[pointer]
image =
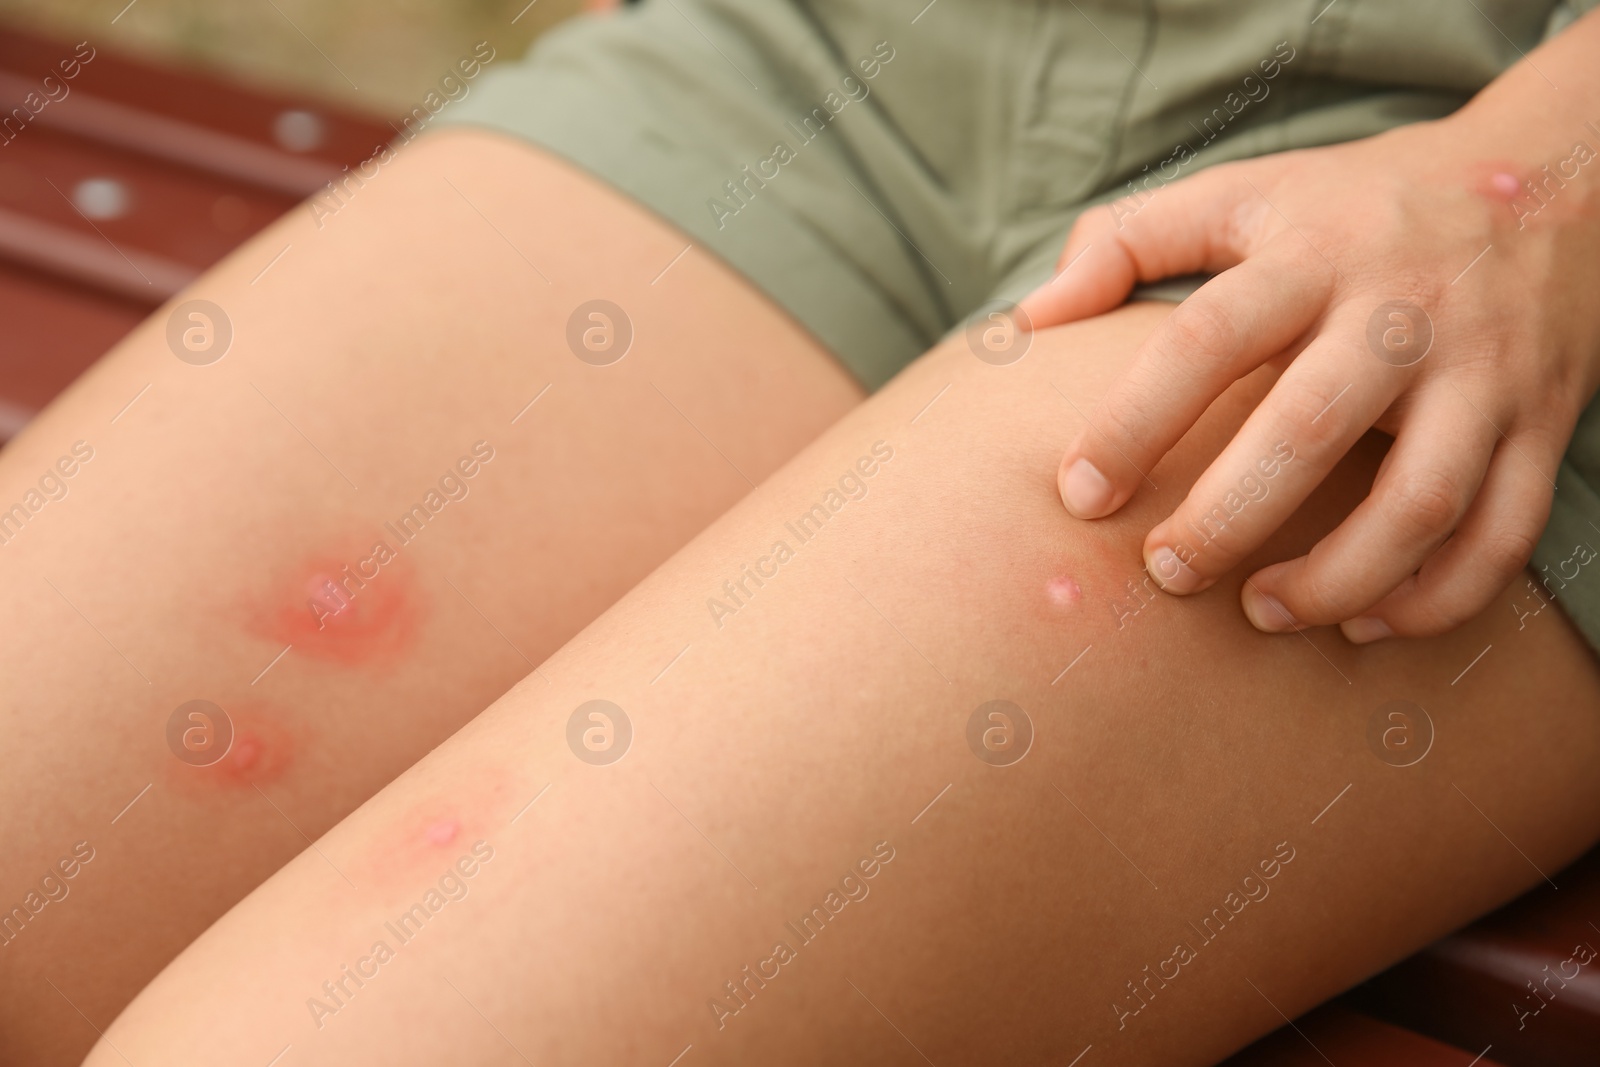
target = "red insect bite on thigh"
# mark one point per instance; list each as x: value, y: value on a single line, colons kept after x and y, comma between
x: 1063, y: 592
x: 254, y: 758
x: 260, y: 751
x: 356, y: 612
x: 432, y: 833
x: 1088, y: 590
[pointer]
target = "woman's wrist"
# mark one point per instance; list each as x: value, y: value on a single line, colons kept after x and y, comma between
x: 1545, y: 106
x: 1529, y: 143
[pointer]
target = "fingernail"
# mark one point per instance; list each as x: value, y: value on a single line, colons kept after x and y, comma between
x: 1085, y: 490
x: 1267, y: 613
x: 1171, y: 573
x: 1365, y: 630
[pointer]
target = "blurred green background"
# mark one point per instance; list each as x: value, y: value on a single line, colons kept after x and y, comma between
x: 378, y: 56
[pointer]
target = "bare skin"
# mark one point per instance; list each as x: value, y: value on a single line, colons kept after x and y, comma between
x: 190, y: 549
x: 1186, y: 770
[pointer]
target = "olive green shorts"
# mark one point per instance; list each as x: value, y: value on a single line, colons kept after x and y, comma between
x: 882, y: 168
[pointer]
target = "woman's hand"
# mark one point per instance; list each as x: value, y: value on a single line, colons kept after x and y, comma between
x: 1412, y: 282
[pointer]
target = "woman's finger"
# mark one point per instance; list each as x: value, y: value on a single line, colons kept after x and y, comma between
x: 1234, y: 323
x: 1188, y: 227
x: 1492, y: 544
x: 1326, y: 399
x: 1432, y: 474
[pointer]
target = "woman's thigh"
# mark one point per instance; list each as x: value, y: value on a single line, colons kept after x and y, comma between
x: 914, y: 768
x: 415, y: 471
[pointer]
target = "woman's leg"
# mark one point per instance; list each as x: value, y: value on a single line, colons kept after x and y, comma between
x: 379, y: 386
x: 819, y: 844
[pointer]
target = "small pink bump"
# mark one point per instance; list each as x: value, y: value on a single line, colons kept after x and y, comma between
x: 1505, y: 185
x: 325, y: 591
x: 1063, y: 592
x: 443, y: 832
x: 245, y: 754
